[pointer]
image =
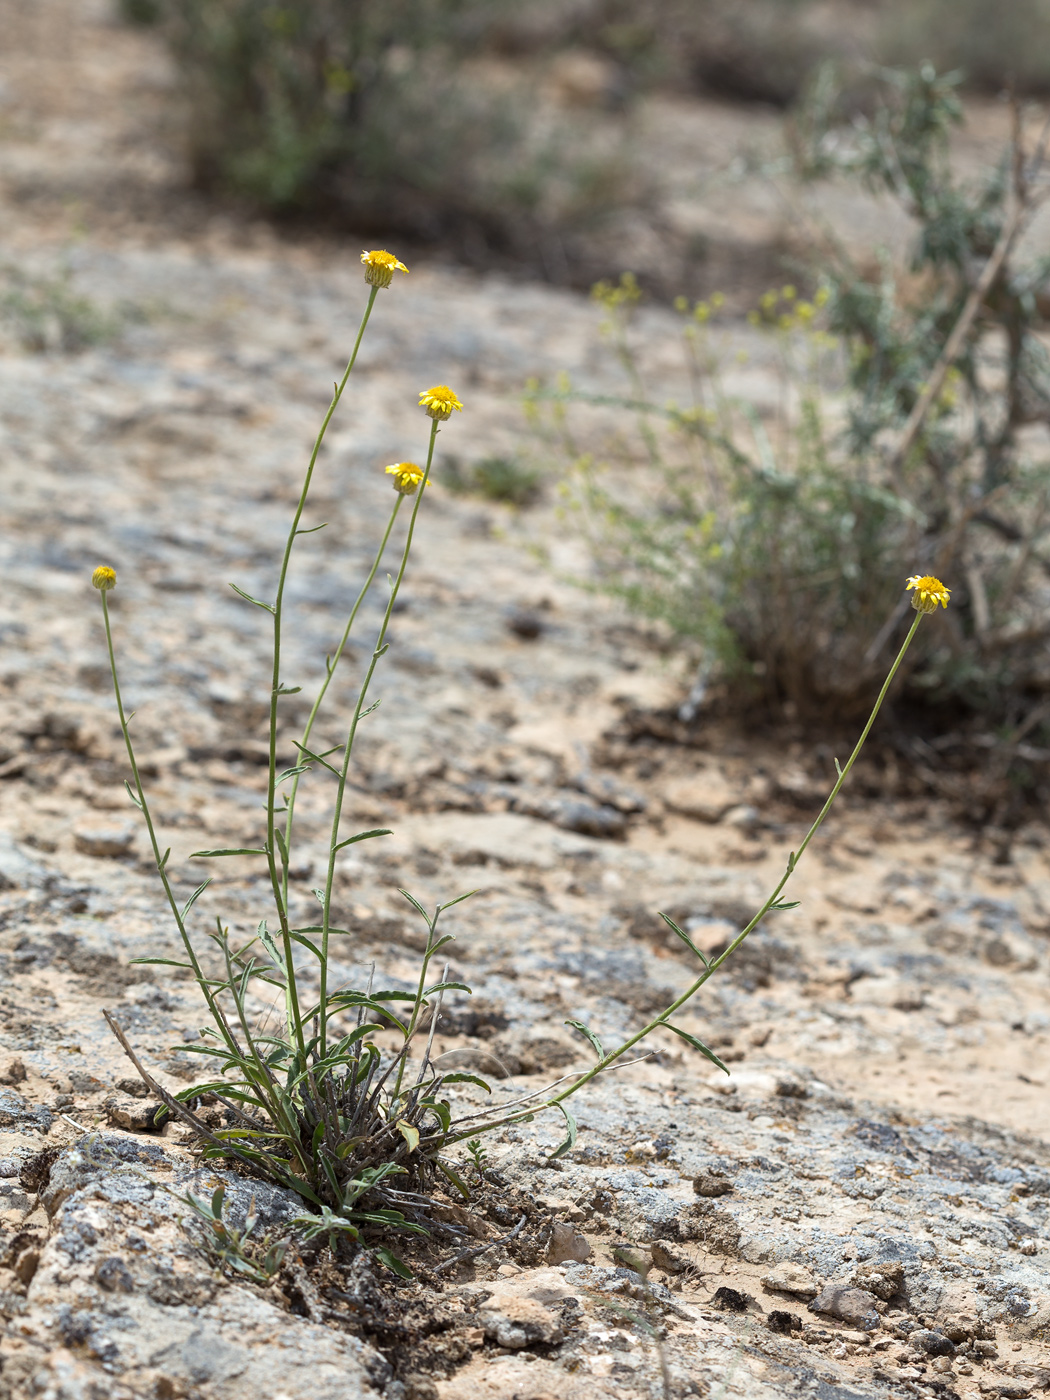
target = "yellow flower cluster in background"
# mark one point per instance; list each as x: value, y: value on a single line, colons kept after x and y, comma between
x: 785, y: 310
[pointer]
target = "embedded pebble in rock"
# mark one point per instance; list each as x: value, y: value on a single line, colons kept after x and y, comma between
x: 515, y: 1322
x: 103, y: 840
x: 789, y: 1277
x: 708, y: 1185
x: 670, y: 1257
x: 852, y: 1305
x: 567, y: 1244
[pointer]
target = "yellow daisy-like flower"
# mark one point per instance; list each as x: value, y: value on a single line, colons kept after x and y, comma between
x: 407, y: 477
x: 104, y: 578
x: 380, y: 267
x: 929, y: 591
x: 439, y: 402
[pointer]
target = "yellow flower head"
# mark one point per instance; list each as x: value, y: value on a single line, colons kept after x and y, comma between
x: 407, y: 477
x: 439, y: 402
x: 380, y: 267
x: 104, y: 578
x: 928, y: 593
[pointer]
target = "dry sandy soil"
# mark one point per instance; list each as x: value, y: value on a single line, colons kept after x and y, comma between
x: 885, y: 1126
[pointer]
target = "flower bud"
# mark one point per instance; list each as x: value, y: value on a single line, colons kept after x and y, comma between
x: 380, y: 267
x: 407, y: 477
x: 104, y: 578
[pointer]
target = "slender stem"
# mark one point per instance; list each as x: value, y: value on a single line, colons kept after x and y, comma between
x: 331, y: 663
x: 793, y: 860
x: 294, y: 1018
x: 162, y: 860
x: 380, y: 648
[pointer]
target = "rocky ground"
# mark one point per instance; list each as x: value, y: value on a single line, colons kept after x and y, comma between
x: 860, y: 1210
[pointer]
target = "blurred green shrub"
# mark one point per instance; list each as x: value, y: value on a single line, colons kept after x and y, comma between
x: 505, y: 479
x: 371, y: 109
x: 994, y: 46
x: 46, y: 314
x: 781, y: 543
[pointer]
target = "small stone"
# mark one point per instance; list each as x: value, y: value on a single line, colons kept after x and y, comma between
x: 26, y: 1265
x: 783, y: 1322
x: 669, y: 1257
x: 731, y: 1300
x: 14, y: 1073
x: 114, y: 1276
x: 706, y: 797
x: 12, y: 1107
x: 103, y: 841
x: 707, y: 1184
x: 1028, y: 1246
x: 567, y: 1245
x: 884, y: 1279
x: 788, y: 1277
x: 134, y: 1115
x: 932, y: 1343
x: 853, y: 1305
x: 515, y: 1323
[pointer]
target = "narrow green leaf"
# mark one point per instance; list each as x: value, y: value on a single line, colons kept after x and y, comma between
x: 193, y: 898
x: 317, y: 758
x: 462, y: 1077
x: 838, y: 768
x: 164, y: 859
x: 371, y: 709
x: 599, y: 1049
x: 363, y: 836
x: 160, y: 962
x: 685, y: 938
x: 313, y: 529
x: 267, y: 607
x: 785, y: 904
x: 133, y: 795
x: 233, y: 851
x: 393, y: 1263
x: 305, y: 942
x: 417, y: 907
x: 697, y: 1045
x: 393, y: 996
x: 458, y: 900
x: 288, y: 689
x: 572, y: 1133
x: 293, y: 772
x: 448, y: 987
x: 440, y: 1110
x: 448, y: 1171
x: 268, y: 941
x: 282, y: 848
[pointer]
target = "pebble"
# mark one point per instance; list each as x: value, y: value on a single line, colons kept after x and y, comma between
x: 791, y: 1278
x: 853, y: 1305
x: 103, y: 841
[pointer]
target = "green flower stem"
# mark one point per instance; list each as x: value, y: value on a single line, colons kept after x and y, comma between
x: 162, y: 860
x: 380, y: 648
x: 793, y: 860
x: 331, y: 663
x: 293, y: 1014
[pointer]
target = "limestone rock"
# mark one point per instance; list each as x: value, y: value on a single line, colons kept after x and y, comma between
x: 114, y: 1304
x: 567, y: 1244
x: 788, y: 1277
x: 103, y: 841
x: 885, y: 1279
x: 706, y: 797
x: 514, y: 1322
x: 670, y: 1257
x: 854, y: 1306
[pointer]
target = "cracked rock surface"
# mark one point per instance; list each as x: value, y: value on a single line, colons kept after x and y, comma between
x: 859, y: 1210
